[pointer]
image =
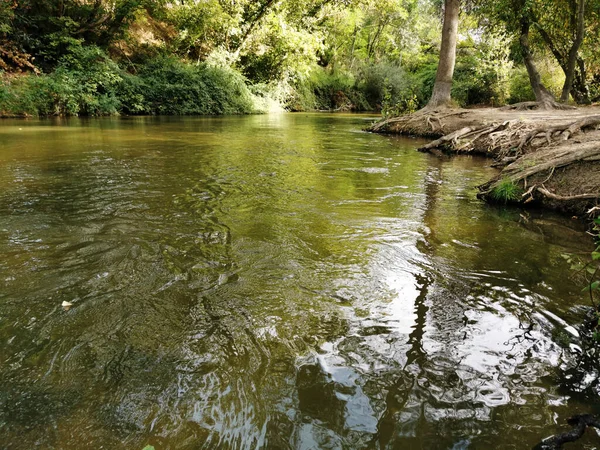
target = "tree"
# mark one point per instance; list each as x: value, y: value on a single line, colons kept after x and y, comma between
x: 517, y: 17
x: 50, y: 29
x: 565, y: 42
x: 543, y: 97
x: 441, y: 95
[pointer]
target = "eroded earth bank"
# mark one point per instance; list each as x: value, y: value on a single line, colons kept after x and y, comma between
x: 548, y: 157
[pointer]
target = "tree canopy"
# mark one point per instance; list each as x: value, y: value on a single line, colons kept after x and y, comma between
x: 310, y: 54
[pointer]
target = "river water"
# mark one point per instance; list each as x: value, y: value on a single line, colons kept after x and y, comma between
x: 281, y: 282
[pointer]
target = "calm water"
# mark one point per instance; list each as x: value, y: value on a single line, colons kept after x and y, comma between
x: 280, y: 282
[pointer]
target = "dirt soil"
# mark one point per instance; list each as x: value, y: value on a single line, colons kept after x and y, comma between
x: 552, y: 157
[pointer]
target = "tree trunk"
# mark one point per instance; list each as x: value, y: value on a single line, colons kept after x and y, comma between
x: 572, y: 59
x: 544, y: 98
x: 445, y: 71
x: 580, y: 90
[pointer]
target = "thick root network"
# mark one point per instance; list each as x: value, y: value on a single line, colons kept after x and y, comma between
x: 427, y: 122
x: 458, y: 131
x: 532, y: 149
x: 546, y: 105
x: 508, y: 140
x: 561, y: 132
x: 533, y: 174
x: 497, y: 139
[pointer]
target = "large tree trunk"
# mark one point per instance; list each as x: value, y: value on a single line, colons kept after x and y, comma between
x: 445, y: 71
x: 580, y: 90
x: 572, y: 59
x: 543, y: 97
x: 570, y: 62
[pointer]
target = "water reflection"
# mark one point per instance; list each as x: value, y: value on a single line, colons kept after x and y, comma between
x: 269, y: 282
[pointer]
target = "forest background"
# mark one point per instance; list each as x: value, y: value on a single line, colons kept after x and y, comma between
x: 105, y: 57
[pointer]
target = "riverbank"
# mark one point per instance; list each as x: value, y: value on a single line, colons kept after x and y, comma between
x: 548, y: 158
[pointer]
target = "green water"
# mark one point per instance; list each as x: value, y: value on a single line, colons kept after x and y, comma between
x: 280, y: 282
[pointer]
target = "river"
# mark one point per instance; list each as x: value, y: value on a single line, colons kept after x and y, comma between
x: 280, y: 282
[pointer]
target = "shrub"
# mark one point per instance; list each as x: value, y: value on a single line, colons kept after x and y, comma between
x: 83, y: 83
x: 174, y: 87
x: 87, y: 82
x: 388, y: 87
x: 520, y: 87
x: 325, y: 89
x: 131, y: 92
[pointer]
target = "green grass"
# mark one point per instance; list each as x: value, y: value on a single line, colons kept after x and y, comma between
x: 506, y: 191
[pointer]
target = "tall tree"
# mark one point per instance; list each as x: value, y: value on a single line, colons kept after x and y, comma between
x: 441, y: 95
x: 543, y: 96
x: 565, y: 42
x: 518, y: 18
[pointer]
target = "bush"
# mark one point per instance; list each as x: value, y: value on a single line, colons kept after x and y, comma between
x: 174, y: 87
x: 83, y: 83
x: 325, y: 89
x: 520, y: 87
x: 381, y: 86
x: 87, y: 82
x: 424, y: 78
x: 131, y: 92
x: 388, y: 87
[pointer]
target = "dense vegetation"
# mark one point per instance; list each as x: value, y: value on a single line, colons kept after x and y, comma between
x: 95, y: 57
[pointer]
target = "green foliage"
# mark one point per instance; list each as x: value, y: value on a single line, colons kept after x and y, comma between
x: 87, y: 82
x: 202, y: 26
x: 506, y: 191
x: 170, y: 86
x: 304, y: 54
x: 520, y: 87
x: 332, y: 90
x: 388, y: 86
x: 589, y: 273
x: 482, y: 72
x: 132, y: 94
x: 372, y: 87
x: 83, y: 83
x: 49, y: 29
x: 327, y: 90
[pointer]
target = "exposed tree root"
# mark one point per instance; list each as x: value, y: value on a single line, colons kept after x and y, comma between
x: 533, y: 171
x: 567, y: 198
x: 560, y: 132
x: 528, y: 147
x: 428, y: 122
x: 579, y: 424
x: 547, y: 105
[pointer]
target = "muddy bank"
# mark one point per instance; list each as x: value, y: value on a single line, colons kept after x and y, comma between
x: 548, y: 158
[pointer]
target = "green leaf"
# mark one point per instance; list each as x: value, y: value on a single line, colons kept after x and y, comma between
x: 593, y: 287
x: 591, y: 270
x: 148, y: 447
x: 596, y: 256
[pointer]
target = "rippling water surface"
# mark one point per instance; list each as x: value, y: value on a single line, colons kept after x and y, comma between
x: 279, y: 282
